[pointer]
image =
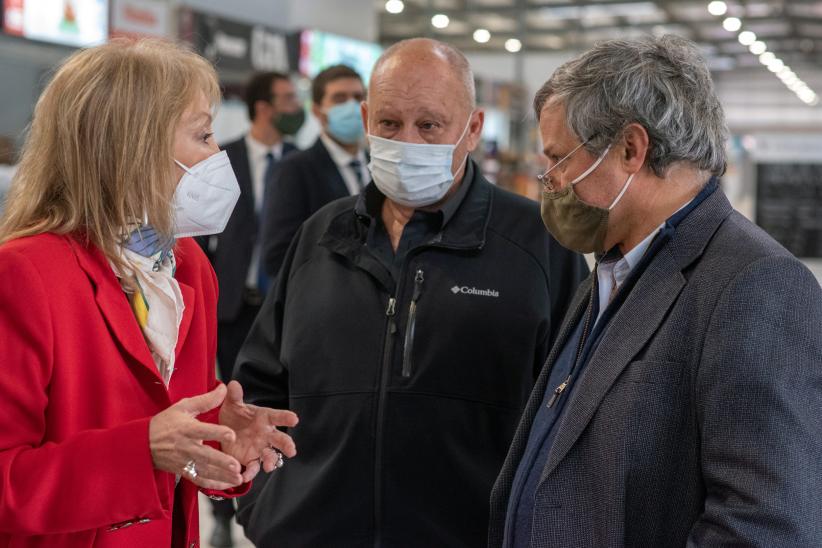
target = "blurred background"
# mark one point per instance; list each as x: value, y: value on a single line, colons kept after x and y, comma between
x: 766, y: 57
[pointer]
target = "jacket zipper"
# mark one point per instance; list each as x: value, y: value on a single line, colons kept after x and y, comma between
x: 564, y: 384
x: 407, y: 363
x: 385, y: 373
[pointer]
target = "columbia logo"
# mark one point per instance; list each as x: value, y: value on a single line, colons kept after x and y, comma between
x: 465, y: 290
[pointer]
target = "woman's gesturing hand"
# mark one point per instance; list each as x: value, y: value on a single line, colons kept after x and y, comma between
x: 176, y: 441
x: 257, y: 437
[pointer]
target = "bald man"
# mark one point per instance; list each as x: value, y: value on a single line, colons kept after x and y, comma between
x: 406, y: 329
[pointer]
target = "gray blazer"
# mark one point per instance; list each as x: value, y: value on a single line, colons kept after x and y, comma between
x: 698, y: 420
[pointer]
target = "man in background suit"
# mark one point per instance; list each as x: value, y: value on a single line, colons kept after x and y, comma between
x: 334, y: 167
x: 274, y: 112
x: 680, y: 403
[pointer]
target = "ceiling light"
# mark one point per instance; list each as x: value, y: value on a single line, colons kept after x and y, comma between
x: 758, y: 47
x: 394, y: 6
x: 767, y: 58
x: 440, y: 21
x: 746, y: 38
x: 482, y: 35
x: 513, y: 45
x: 776, y: 65
x: 717, y: 8
x: 732, y: 24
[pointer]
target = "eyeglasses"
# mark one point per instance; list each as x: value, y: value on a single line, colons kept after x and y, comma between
x: 544, y: 177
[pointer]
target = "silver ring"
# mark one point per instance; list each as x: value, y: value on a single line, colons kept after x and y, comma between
x: 280, y: 460
x: 191, y: 469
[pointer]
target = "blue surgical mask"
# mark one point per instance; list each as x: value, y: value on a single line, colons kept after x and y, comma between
x: 413, y: 174
x: 345, y: 122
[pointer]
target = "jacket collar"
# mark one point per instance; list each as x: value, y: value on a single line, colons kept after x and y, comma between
x: 465, y: 230
x: 114, y: 306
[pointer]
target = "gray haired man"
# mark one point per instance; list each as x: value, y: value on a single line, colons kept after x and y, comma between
x: 680, y: 405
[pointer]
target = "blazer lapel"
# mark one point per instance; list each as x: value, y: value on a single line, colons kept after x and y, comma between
x: 650, y: 299
x: 113, y: 304
x: 238, y: 155
x: 327, y: 170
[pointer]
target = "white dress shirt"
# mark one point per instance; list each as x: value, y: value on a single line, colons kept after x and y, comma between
x: 258, y: 162
x: 343, y: 160
x: 611, y: 272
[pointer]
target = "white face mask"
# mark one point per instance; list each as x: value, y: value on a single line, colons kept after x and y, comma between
x: 413, y: 174
x: 205, y: 197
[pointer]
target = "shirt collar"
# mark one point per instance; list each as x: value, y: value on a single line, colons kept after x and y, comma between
x: 633, y: 257
x: 260, y: 150
x: 338, y: 154
x: 453, y: 203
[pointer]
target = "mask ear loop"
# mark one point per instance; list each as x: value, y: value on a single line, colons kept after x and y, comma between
x: 467, y: 154
x: 187, y: 170
x: 465, y: 130
x: 593, y: 166
x: 622, y: 192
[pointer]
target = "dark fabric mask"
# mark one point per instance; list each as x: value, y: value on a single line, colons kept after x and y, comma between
x: 289, y: 123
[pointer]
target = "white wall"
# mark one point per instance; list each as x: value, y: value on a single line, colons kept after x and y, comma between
x: 756, y: 100
x: 536, y: 67
x: 352, y: 18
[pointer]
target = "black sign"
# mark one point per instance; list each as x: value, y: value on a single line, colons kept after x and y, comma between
x: 236, y: 46
x: 789, y: 205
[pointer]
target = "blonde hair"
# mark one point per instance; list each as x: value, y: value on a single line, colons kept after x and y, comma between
x: 99, y: 154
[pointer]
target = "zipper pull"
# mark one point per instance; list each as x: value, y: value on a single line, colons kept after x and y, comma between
x: 418, y: 279
x: 558, y: 391
x: 392, y: 307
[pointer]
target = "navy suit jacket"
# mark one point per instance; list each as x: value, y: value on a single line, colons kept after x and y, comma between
x: 230, y: 251
x: 305, y: 182
x: 697, y: 420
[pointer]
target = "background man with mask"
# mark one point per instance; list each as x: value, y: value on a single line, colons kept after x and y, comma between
x: 334, y: 167
x: 408, y: 323
x: 680, y: 405
x: 274, y: 112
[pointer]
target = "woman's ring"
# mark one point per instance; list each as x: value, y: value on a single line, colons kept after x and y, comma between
x: 191, y: 469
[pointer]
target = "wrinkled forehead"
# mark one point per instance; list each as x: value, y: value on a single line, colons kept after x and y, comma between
x: 428, y: 80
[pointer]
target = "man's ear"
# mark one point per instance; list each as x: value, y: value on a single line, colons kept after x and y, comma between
x: 635, y: 147
x: 475, y: 126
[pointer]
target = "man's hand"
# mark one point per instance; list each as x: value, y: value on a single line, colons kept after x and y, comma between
x: 257, y: 438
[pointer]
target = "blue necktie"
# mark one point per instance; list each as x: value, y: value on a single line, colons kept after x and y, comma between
x: 263, y: 281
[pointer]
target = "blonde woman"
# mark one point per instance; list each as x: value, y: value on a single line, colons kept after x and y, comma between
x: 111, y: 418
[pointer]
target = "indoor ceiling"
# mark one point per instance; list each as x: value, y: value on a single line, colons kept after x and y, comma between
x: 789, y: 29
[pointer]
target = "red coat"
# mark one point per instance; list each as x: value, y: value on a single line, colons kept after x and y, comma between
x: 78, y: 387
